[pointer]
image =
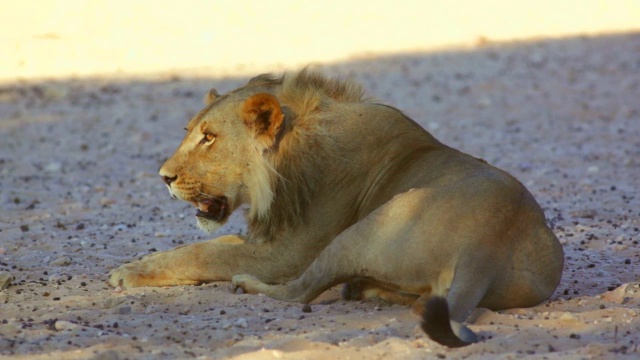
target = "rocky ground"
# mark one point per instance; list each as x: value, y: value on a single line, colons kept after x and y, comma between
x: 80, y: 195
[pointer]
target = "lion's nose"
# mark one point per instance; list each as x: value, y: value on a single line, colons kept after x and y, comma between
x: 168, y: 180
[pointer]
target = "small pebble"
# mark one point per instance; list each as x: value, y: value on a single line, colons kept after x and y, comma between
x: 306, y: 308
x: 53, y: 167
x: 107, y: 201
x: 241, y: 323
x: 622, y: 247
x: 63, y: 261
x: 61, y: 325
x: 567, y: 316
x: 5, y: 281
x: 120, y: 227
x: 56, y: 278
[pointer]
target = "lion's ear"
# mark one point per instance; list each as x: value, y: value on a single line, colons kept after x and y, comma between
x: 211, y: 96
x: 263, y: 115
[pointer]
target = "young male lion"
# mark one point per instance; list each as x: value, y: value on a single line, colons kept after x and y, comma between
x: 344, y: 190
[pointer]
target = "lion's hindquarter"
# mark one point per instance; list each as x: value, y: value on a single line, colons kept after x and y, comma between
x: 535, y: 263
x: 482, y: 231
x: 508, y: 239
x: 438, y: 215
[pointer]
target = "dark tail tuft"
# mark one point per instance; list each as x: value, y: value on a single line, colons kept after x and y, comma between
x: 436, y: 323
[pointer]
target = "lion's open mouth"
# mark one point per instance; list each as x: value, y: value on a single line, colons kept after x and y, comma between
x: 212, y: 208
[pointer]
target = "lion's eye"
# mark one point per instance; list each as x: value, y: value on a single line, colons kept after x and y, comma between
x: 208, y: 137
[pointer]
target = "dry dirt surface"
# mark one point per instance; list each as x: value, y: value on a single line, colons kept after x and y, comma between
x: 80, y: 195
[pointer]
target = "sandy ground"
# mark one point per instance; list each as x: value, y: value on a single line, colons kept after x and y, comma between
x: 80, y: 195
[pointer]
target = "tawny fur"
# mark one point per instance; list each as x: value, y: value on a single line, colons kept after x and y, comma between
x: 344, y: 190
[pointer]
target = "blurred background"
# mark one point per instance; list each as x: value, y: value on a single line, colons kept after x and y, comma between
x: 76, y: 38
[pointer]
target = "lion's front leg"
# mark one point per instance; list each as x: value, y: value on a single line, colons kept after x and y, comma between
x: 213, y: 260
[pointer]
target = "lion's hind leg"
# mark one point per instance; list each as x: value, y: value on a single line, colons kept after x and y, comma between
x: 326, y: 271
x: 366, y: 250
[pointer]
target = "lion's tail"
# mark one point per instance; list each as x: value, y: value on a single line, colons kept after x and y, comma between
x: 437, y: 324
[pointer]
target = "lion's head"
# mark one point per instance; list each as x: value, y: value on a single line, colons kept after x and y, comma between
x: 220, y: 161
x: 262, y: 144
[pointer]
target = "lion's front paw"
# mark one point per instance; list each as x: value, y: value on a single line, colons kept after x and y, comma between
x: 248, y: 283
x: 144, y: 273
x: 129, y: 275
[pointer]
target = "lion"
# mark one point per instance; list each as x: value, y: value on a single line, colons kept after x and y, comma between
x: 344, y: 190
